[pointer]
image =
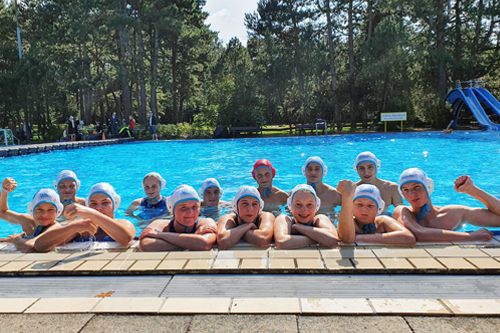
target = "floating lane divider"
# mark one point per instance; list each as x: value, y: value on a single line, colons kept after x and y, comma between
x: 48, y: 147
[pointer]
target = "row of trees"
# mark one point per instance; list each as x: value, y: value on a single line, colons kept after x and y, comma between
x: 345, y: 61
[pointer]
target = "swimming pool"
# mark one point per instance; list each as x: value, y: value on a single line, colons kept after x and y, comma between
x: 443, y: 157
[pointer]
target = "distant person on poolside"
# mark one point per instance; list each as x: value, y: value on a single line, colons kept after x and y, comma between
x: 263, y: 172
x: 114, y: 122
x: 154, y: 204
x: 367, y: 166
x: 304, y: 228
x: 152, y: 126
x: 72, y: 128
x: 131, y: 125
x: 98, y: 131
x: 314, y: 170
x: 211, y: 193
x: 431, y: 223
x: 98, y: 220
x: 66, y: 185
x: 360, y: 219
x: 186, y: 230
x: 43, y: 210
x: 248, y: 222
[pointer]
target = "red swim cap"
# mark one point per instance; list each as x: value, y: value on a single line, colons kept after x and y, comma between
x: 263, y: 164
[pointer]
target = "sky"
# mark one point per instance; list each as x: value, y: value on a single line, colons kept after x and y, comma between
x: 228, y: 17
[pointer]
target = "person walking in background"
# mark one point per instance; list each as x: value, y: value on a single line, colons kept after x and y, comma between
x: 114, y: 125
x: 131, y: 125
x: 152, y: 126
x: 72, y: 128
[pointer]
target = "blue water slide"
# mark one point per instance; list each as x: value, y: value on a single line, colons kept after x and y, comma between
x: 457, y: 97
x: 487, y: 99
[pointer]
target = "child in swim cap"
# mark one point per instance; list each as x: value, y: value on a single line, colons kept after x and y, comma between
x: 210, y: 193
x: 433, y: 223
x: 360, y: 219
x: 98, y: 219
x: 264, y: 173
x: 154, y: 205
x: 315, y: 169
x: 66, y: 185
x: 186, y: 230
x: 248, y: 222
x: 367, y: 166
x: 304, y: 228
x: 43, y: 209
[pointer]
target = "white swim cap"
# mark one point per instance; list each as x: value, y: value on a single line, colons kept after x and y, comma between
x: 66, y: 174
x: 46, y: 196
x: 367, y: 157
x: 208, y: 183
x: 415, y: 175
x: 315, y: 159
x: 163, y: 182
x: 370, y: 192
x: 247, y: 191
x: 307, y: 188
x: 180, y: 194
x: 106, y: 189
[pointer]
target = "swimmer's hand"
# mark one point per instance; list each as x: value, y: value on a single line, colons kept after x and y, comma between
x: 74, y: 210
x: 463, y: 184
x: 207, y: 229
x: 346, y: 187
x: 481, y: 235
x: 12, y: 238
x: 9, y: 185
x: 85, y: 227
x: 149, y: 232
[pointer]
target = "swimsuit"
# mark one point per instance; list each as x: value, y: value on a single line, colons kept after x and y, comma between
x: 39, y: 229
x: 256, y: 222
x: 268, y: 191
x: 369, y: 228
x: 172, y: 226
x: 309, y: 224
x: 150, y: 210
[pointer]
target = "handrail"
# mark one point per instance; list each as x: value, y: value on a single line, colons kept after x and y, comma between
x: 12, y: 136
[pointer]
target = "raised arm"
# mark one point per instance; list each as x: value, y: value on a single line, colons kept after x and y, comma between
x: 464, y: 184
x: 122, y: 231
x: 389, y: 231
x: 323, y: 233
x: 423, y: 234
x: 346, y: 227
x: 263, y: 236
x: 228, y: 234
x: 57, y: 234
x: 283, y: 235
x: 25, y: 220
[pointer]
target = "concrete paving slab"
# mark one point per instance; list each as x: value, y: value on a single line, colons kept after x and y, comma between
x: 15, y: 305
x: 129, y: 305
x: 63, y: 305
x: 265, y: 305
x: 213, y: 305
x: 453, y: 325
x: 409, y: 306
x: 43, y: 323
x: 473, y: 307
x: 352, y: 324
x: 243, y: 323
x: 137, y: 323
x: 335, y: 306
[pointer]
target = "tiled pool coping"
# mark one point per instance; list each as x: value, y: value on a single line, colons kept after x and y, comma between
x: 442, y: 259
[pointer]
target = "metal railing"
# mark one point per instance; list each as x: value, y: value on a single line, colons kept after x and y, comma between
x: 8, y: 136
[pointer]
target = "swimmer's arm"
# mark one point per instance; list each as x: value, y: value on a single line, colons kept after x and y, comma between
x: 57, y: 234
x: 346, y: 227
x: 25, y: 220
x: 195, y: 241
x: 229, y: 237
x: 324, y: 234
x: 392, y: 233
x: 397, y: 200
x: 480, y: 217
x: 133, y: 207
x: 423, y: 234
x: 264, y: 235
x: 283, y: 237
x: 491, y: 202
x: 149, y: 240
x: 21, y: 244
x: 122, y: 231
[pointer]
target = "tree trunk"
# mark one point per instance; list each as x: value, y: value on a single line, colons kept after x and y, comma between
x: 352, y: 110
x: 87, y: 92
x: 457, y: 52
x: 332, y: 67
x: 440, y: 41
x: 175, y: 102
x: 127, y: 105
x: 154, y: 73
x: 142, y: 83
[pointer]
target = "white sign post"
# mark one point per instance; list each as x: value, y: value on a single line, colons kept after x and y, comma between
x: 393, y: 116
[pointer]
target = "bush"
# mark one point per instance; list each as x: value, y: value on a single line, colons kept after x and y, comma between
x: 54, y: 133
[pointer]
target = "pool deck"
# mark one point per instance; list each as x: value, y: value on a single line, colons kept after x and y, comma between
x: 9, y: 151
x: 354, y: 279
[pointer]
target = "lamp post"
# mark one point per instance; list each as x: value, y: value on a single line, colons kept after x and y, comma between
x: 18, y: 34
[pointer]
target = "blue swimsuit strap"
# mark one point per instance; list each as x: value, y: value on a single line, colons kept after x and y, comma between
x: 39, y: 229
x: 313, y: 185
x: 70, y: 202
x: 369, y: 228
x: 186, y: 228
x: 268, y: 191
x: 149, y: 205
x: 422, y: 213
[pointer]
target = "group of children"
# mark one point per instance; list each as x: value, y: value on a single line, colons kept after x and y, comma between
x: 363, y: 215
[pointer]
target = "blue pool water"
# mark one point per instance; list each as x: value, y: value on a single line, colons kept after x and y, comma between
x: 443, y: 157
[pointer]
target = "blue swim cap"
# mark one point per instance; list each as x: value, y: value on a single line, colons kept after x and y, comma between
x: 370, y: 192
x: 46, y: 196
x: 306, y: 188
x: 247, y: 191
